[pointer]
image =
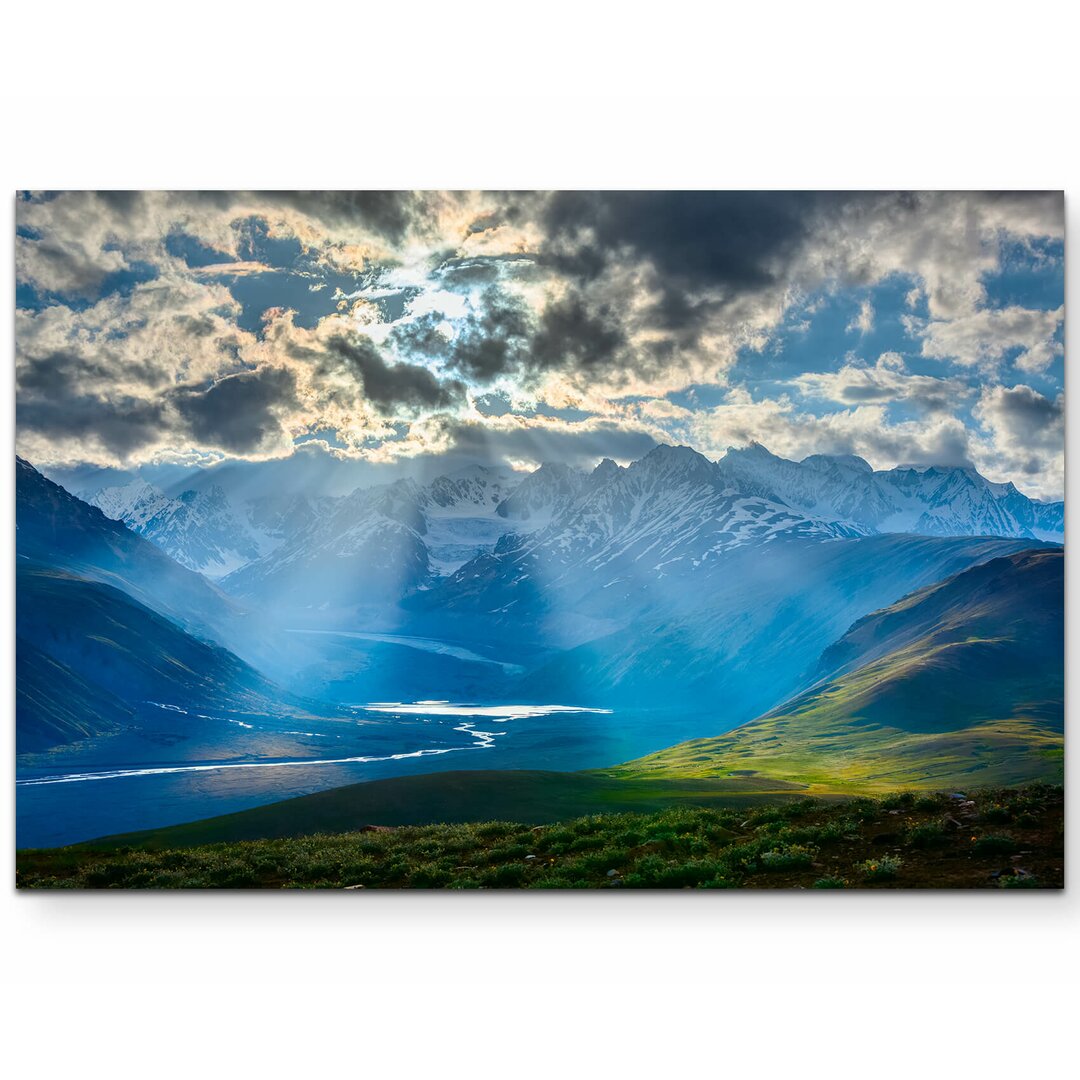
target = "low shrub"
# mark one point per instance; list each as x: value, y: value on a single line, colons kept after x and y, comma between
x: 931, y: 834
x: 993, y: 845
x: 830, y: 883
x: 882, y: 868
x: 791, y: 857
x: 900, y: 800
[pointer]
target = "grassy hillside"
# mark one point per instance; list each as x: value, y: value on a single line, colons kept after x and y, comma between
x: 54, y: 706
x: 749, y: 636
x: 87, y: 652
x: 531, y: 797
x: 964, y: 684
x: 996, y: 839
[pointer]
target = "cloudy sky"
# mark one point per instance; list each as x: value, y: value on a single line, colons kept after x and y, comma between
x: 394, y: 331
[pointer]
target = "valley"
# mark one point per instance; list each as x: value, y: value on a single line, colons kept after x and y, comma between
x: 629, y: 615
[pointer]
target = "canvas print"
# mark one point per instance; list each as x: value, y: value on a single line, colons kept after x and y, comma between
x: 577, y: 539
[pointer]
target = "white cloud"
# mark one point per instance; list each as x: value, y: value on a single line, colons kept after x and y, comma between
x: 133, y: 357
x: 1025, y: 439
x: 863, y: 322
x: 983, y: 338
x: 864, y: 430
x: 884, y: 382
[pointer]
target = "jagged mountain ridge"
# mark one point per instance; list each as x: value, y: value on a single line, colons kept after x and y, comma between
x: 468, y: 511
x: 203, y: 529
x: 930, y: 501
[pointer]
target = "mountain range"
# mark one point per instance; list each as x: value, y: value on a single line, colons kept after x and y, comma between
x: 395, y: 539
x: 670, y: 584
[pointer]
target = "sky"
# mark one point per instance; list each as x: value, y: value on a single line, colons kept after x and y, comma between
x: 392, y: 333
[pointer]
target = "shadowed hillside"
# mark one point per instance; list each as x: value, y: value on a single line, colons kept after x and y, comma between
x: 960, y: 682
x: 88, y: 652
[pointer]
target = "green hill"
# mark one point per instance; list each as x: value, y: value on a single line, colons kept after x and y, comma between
x: 88, y: 653
x: 54, y: 706
x: 959, y: 683
x: 529, y: 796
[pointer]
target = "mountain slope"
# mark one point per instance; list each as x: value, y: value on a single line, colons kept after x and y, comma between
x: 752, y: 635
x: 959, y: 683
x: 367, y: 551
x: 55, y: 706
x: 203, y: 529
x: 54, y: 528
x: 633, y: 538
x: 385, y: 543
x: 91, y: 654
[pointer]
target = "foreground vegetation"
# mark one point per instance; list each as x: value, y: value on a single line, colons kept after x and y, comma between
x: 1002, y: 838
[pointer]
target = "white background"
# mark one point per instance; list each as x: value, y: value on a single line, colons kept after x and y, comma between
x: 776, y: 95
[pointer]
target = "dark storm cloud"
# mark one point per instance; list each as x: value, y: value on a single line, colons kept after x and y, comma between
x: 239, y: 413
x: 389, y: 385
x: 496, y: 340
x: 388, y: 213
x: 702, y: 252
x: 580, y: 445
x: 570, y: 336
x: 121, y: 426
x: 735, y: 240
x: 1026, y: 425
x: 421, y: 337
x: 1028, y: 412
x: 503, y: 337
x: 65, y: 372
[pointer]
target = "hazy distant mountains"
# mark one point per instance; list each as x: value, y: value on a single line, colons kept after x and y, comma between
x: 672, y: 583
x: 931, y: 501
x: 385, y: 542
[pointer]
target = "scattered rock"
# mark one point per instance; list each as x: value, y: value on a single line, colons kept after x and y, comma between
x: 376, y: 828
x: 528, y: 857
x: 613, y: 874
